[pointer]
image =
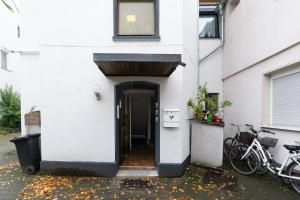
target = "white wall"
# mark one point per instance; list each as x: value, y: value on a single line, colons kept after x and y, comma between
x: 211, y: 69
x: 190, y: 71
x: 60, y: 81
x: 89, y: 23
x: 261, y: 38
x: 30, y: 85
x: 72, y: 115
x: 257, y: 29
x: 9, y: 41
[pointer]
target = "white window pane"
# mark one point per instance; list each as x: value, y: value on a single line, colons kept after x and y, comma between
x: 208, y: 26
x: 136, y: 18
x: 286, y: 100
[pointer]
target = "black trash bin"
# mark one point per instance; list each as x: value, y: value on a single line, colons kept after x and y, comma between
x: 28, y: 150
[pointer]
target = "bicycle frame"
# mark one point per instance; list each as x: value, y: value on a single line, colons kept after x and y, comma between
x: 277, y: 170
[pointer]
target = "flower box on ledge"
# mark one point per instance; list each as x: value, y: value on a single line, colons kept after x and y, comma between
x: 33, y: 118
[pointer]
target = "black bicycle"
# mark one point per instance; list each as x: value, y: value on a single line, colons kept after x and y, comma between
x: 233, y: 141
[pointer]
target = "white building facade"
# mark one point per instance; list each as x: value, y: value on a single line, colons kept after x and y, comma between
x: 257, y: 68
x: 88, y: 64
x: 73, y: 76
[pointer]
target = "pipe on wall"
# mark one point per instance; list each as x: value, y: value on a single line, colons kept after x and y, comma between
x: 219, y: 9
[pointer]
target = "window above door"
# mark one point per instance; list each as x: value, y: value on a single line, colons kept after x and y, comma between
x: 136, y: 20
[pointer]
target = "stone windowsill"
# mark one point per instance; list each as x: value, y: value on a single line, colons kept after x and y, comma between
x: 295, y: 129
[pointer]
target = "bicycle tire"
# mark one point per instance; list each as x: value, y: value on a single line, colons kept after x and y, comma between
x: 262, y: 170
x: 293, y: 169
x: 228, y: 144
x: 246, y: 166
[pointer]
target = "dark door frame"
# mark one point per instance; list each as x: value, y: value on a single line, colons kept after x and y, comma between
x: 137, y: 85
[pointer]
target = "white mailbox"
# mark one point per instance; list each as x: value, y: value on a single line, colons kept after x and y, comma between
x: 171, y: 118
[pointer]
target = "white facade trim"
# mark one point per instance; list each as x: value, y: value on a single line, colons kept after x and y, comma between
x: 23, y: 53
x: 281, y: 128
x: 261, y: 60
x: 285, y: 72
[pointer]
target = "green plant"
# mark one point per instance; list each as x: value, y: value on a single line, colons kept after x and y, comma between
x: 195, y: 106
x: 7, y: 5
x: 213, y: 106
x: 198, y: 104
x: 10, y: 108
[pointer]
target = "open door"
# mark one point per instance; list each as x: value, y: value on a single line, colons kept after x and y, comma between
x: 137, y: 124
x: 120, y: 122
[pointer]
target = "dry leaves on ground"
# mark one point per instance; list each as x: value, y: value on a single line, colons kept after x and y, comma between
x: 45, y: 186
x: 8, y: 166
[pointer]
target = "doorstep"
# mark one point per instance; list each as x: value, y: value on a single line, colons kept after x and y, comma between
x: 137, y: 173
x: 137, y: 167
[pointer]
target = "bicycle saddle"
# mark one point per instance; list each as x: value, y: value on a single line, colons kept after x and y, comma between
x: 292, y: 148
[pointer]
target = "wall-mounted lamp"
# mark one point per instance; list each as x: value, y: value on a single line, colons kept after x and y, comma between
x: 97, y: 93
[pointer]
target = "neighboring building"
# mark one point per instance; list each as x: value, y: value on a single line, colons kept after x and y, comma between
x: 8, y: 43
x: 92, y: 62
x: 259, y: 67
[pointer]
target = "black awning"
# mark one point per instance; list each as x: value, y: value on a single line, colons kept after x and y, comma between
x: 113, y: 64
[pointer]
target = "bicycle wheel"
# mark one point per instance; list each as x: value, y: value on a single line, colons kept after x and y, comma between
x: 247, y: 165
x: 262, y: 170
x: 294, y: 170
x: 228, y: 144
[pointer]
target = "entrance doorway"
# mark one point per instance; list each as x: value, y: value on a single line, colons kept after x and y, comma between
x: 137, y: 125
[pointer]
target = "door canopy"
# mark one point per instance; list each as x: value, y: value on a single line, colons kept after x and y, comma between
x: 162, y: 65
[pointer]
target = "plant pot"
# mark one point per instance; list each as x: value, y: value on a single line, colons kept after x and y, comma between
x: 218, y: 119
x: 33, y: 118
x: 201, y: 115
x: 209, y: 118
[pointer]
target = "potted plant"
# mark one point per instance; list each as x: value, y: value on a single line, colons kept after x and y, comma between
x: 198, y: 104
x: 215, y: 109
x: 198, y: 109
x: 33, y: 117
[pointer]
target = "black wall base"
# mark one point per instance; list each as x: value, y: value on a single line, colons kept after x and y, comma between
x: 80, y: 168
x: 173, y: 169
x: 106, y: 169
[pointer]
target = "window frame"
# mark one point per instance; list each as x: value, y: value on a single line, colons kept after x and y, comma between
x: 4, y: 51
x: 117, y: 37
x: 207, y: 12
x: 275, y: 76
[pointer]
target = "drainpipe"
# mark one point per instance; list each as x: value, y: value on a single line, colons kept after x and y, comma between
x: 220, y: 9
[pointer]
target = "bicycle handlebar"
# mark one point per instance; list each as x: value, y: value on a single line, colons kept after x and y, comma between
x: 255, y: 132
x: 267, y: 131
x: 237, y: 125
x: 251, y: 127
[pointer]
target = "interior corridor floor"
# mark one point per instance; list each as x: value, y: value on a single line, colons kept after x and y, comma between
x: 140, y: 157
